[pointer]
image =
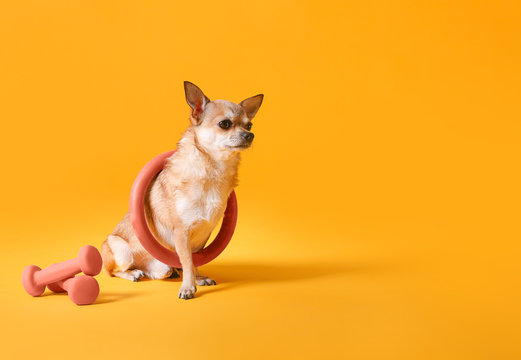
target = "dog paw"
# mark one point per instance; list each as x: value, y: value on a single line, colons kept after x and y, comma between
x: 174, y: 274
x: 205, y: 281
x: 187, y: 291
x: 136, y: 275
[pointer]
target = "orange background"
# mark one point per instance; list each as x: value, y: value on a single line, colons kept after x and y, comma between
x: 378, y: 210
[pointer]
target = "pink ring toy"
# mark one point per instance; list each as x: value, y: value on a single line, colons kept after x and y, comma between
x: 149, y: 242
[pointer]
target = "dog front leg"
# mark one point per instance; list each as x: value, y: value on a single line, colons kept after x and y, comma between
x: 184, y: 252
x: 202, y: 280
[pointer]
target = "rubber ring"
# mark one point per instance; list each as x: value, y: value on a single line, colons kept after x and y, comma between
x: 149, y: 242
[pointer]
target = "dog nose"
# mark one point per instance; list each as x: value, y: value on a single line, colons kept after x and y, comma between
x: 248, y: 136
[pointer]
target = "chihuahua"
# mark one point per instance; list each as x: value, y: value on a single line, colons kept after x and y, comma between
x: 186, y: 200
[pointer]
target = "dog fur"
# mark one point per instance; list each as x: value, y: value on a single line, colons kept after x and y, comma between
x: 186, y: 200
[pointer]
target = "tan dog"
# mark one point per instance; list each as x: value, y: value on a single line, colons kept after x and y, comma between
x: 187, y: 199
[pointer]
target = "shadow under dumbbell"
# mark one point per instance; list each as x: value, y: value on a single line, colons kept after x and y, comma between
x: 108, y: 297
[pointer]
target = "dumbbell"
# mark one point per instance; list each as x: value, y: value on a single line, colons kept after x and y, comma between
x: 35, y: 279
x: 82, y: 289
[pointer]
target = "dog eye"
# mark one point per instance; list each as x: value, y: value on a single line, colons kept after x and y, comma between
x: 248, y: 126
x: 225, y: 124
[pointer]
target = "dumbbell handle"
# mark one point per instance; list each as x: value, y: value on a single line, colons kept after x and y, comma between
x: 64, y: 284
x: 57, y: 272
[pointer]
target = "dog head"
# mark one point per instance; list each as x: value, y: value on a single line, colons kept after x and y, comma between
x: 221, y: 126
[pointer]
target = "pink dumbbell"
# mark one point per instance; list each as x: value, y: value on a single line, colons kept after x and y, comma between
x: 35, y: 279
x: 82, y: 289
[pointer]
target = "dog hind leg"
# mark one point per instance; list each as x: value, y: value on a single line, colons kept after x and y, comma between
x: 118, y: 259
x: 155, y: 269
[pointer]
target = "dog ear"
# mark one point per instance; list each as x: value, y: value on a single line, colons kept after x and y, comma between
x: 196, y: 99
x: 251, y: 105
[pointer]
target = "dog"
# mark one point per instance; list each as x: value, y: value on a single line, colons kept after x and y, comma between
x: 186, y: 200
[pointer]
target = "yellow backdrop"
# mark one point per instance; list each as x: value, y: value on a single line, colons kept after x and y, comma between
x: 378, y: 210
